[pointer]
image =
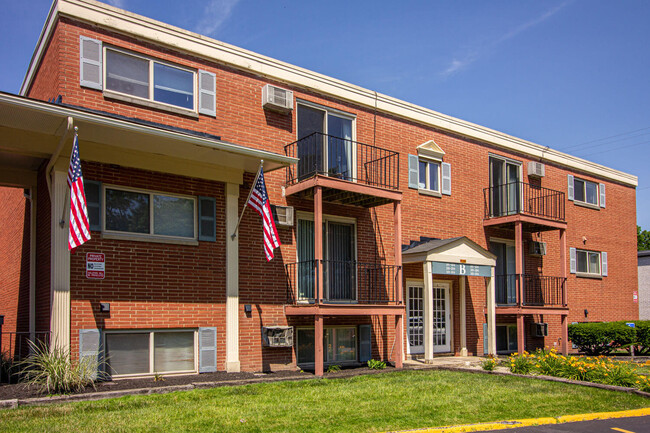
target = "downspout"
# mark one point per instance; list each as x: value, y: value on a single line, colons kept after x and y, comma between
x: 56, y: 154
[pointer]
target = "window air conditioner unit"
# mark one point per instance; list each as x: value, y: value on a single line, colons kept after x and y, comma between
x: 539, y: 329
x: 283, y: 215
x: 277, y: 336
x: 536, y: 169
x: 277, y: 99
x: 537, y: 248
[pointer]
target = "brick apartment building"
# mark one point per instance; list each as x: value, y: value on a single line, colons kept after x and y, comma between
x: 438, y: 236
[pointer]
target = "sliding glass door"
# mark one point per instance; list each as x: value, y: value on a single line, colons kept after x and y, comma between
x: 505, y: 195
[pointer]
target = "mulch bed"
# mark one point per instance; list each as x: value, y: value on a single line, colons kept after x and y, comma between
x: 23, y: 391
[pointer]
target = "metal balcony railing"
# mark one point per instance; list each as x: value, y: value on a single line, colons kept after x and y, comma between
x: 523, y: 198
x: 538, y: 290
x: 341, y: 158
x: 343, y: 282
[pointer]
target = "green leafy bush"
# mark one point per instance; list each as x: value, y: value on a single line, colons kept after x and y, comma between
x: 52, y: 370
x: 376, y: 364
x: 521, y: 364
x: 601, y: 338
x: 490, y: 364
x: 333, y: 368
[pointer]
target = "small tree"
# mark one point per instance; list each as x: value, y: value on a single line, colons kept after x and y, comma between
x: 642, y: 239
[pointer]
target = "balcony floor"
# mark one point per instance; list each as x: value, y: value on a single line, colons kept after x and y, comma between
x: 344, y: 310
x: 530, y: 223
x: 531, y: 309
x: 344, y: 192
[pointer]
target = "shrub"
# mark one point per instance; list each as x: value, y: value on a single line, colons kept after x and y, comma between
x: 7, y: 368
x: 521, y: 364
x: 376, y: 364
x: 54, y: 372
x: 601, y: 338
x: 333, y: 368
x: 490, y: 364
x: 642, y: 337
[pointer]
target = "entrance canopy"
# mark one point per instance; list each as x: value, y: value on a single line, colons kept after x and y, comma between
x: 449, y: 256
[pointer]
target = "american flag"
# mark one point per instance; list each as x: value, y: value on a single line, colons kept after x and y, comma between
x: 259, y: 200
x: 79, y: 226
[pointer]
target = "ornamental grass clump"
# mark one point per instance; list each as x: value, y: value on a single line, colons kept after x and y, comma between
x: 53, y: 372
x: 521, y: 364
x: 490, y: 364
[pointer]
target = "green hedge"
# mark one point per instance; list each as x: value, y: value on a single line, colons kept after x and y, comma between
x: 602, y: 338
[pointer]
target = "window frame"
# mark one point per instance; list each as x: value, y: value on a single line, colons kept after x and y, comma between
x: 588, y: 273
x: 151, y: 236
x: 584, y: 192
x: 151, y: 333
x: 427, y: 187
x: 150, y: 99
x: 508, y: 327
x: 326, y: 362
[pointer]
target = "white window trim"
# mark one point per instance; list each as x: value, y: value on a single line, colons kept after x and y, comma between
x: 427, y: 190
x: 148, y: 237
x: 588, y: 274
x: 151, y: 332
x: 584, y: 190
x: 150, y: 100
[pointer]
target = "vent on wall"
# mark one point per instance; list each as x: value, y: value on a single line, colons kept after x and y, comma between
x: 277, y: 336
x: 537, y: 248
x: 277, y: 99
x: 536, y: 169
x: 283, y: 215
x: 539, y: 329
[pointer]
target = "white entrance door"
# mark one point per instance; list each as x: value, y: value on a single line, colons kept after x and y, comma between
x: 415, y: 314
x: 441, y: 318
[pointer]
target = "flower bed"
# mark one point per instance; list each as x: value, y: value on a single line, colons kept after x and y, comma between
x: 587, y: 369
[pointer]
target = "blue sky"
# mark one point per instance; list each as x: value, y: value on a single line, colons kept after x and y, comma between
x: 571, y: 75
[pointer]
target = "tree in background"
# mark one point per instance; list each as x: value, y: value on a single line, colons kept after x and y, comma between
x: 642, y: 239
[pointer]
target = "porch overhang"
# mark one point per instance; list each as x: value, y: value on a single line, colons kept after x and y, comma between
x: 460, y: 250
x: 31, y: 132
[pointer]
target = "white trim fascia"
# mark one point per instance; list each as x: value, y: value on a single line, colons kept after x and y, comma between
x: 185, y: 41
x: 130, y: 126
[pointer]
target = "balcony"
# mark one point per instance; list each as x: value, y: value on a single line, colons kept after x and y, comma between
x: 542, y: 208
x: 350, y: 172
x: 539, y: 291
x: 347, y: 286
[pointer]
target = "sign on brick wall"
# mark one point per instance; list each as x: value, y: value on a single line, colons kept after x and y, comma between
x: 461, y: 269
x: 95, y: 266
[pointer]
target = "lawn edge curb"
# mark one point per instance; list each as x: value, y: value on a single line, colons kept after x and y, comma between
x: 500, y: 425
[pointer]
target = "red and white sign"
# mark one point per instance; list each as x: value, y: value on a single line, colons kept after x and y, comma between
x: 635, y: 296
x: 95, y: 266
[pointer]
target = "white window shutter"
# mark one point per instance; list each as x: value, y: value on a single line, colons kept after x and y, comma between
x: 485, y: 339
x: 570, y: 187
x: 414, y: 176
x: 90, y: 63
x: 603, y: 264
x: 89, y: 348
x: 572, y: 260
x: 446, y: 178
x: 207, y: 350
x: 207, y: 93
x: 602, y: 194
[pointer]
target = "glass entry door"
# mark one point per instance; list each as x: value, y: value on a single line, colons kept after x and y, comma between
x: 505, y: 195
x: 441, y: 318
x: 506, y: 278
x: 415, y: 314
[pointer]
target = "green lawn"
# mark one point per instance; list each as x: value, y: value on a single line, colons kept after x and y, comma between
x: 399, y: 400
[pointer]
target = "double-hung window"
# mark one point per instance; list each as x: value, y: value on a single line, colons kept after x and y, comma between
x: 149, y: 79
x: 588, y: 263
x: 429, y: 175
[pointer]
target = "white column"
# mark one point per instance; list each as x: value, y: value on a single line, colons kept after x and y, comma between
x: 232, y: 279
x: 463, y: 317
x: 60, y: 262
x: 32, y: 263
x: 491, y: 312
x: 428, y: 312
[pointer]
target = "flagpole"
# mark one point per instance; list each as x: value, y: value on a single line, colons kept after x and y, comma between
x: 234, y: 235
x: 65, y: 200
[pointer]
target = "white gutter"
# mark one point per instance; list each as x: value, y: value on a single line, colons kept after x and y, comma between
x: 135, y: 127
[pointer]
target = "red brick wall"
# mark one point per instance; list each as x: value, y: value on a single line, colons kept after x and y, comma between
x: 240, y: 119
x: 14, y: 268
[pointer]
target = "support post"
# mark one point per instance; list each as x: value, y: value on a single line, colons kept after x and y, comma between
x: 492, y: 315
x: 399, y: 326
x: 60, y: 263
x: 564, y: 347
x: 318, y: 243
x: 463, y: 317
x: 318, y: 345
x: 519, y: 250
x: 232, y: 280
x: 428, y: 312
x: 521, y: 334
x: 563, y: 266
